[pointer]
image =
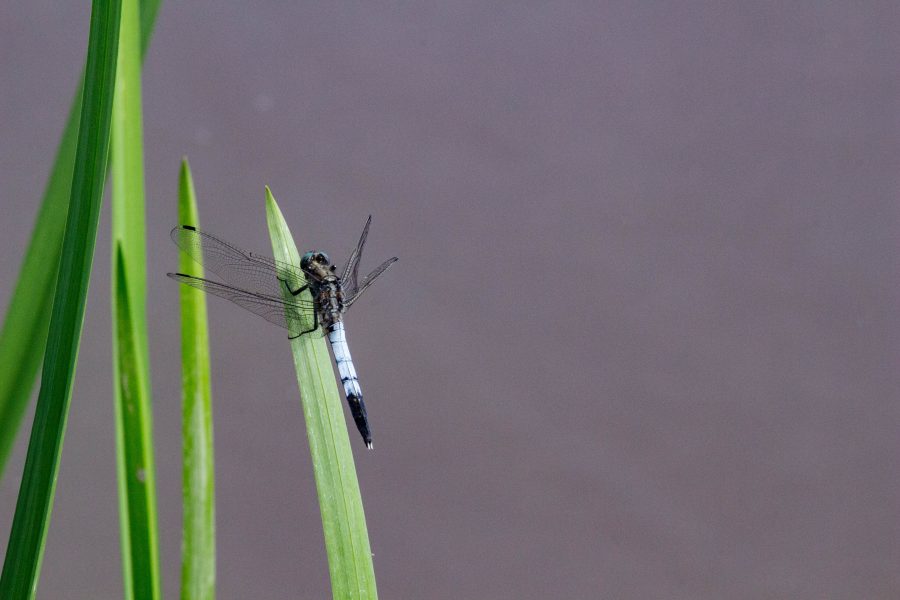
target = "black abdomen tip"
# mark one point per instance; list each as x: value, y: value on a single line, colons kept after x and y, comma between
x: 358, y: 410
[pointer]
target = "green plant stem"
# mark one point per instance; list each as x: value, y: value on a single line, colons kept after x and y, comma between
x: 24, y: 333
x: 137, y: 503
x: 21, y: 566
x: 198, y: 542
x: 340, y: 503
x: 131, y: 369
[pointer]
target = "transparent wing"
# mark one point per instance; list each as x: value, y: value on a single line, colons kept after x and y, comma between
x: 297, y: 316
x: 368, y: 280
x: 351, y: 270
x: 236, y: 267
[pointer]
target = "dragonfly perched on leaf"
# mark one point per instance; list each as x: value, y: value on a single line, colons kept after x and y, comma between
x: 272, y: 289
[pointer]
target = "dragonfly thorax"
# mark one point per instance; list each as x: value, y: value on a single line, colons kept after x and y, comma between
x: 329, y: 298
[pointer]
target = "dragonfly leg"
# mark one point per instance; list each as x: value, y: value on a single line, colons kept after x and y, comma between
x: 293, y: 292
x: 314, y: 327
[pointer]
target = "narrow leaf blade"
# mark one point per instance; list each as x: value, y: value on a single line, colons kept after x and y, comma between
x: 131, y: 368
x: 24, y: 333
x: 24, y: 551
x: 137, y: 500
x: 340, y: 503
x: 198, y: 541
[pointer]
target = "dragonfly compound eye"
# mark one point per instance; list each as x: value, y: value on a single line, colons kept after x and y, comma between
x: 307, y: 258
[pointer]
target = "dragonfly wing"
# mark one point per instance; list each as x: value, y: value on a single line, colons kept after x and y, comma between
x: 296, y: 315
x: 239, y: 268
x: 351, y: 270
x: 368, y: 280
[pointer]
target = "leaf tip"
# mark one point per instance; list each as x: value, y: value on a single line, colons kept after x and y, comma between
x: 120, y: 260
x: 184, y: 172
x: 273, y: 212
x: 187, y: 204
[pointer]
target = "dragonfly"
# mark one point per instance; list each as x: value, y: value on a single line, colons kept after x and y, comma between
x: 272, y: 289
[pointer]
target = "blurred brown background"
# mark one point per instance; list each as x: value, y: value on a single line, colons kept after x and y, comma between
x: 641, y: 342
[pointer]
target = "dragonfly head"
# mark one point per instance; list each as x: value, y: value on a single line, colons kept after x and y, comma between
x: 316, y: 262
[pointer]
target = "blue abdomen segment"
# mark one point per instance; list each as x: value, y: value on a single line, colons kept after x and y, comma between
x: 347, y: 372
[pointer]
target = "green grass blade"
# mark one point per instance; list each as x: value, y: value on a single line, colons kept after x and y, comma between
x: 149, y: 10
x: 198, y: 541
x: 126, y: 162
x: 131, y: 369
x: 21, y: 566
x: 340, y: 503
x: 137, y: 502
x: 24, y: 333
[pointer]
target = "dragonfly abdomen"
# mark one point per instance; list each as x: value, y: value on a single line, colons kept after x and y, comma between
x: 352, y: 391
